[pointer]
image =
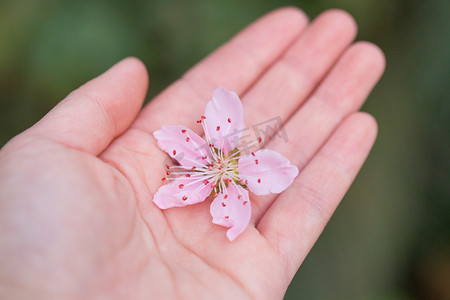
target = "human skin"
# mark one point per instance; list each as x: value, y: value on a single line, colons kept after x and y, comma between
x: 77, y: 219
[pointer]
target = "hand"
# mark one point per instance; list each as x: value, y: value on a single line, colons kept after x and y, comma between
x: 76, y: 212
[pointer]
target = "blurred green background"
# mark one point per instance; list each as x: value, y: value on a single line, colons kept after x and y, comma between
x: 390, y: 237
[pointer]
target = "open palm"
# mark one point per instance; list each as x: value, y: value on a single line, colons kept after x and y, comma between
x: 76, y: 211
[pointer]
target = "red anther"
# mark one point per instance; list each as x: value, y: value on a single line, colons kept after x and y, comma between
x: 223, y: 204
x: 210, y: 167
x: 164, y: 179
x: 193, y: 168
x: 184, y: 198
x: 259, y: 140
x: 218, y: 128
x: 205, y: 181
x: 259, y: 180
x: 229, y: 120
x: 174, y: 152
x: 214, y: 194
x: 188, y: 175
x: 256, y: 161
x: 213, y: 185
x: 220, y: 167
x: 167, y: 173
x: 218, y: 161
x: 225, y: 196
x: 226, y: 217
x: 181, y: 186
x: 241, y: 181
x: 246, y: 181
x: 204, y: 157
x: 183, y: 130
x: 245, y: 202
x: 188, y: 139
x: 199, y: 121
x: 253, y: 153
x: 240, y: 197
x: 203, y: 117
x: 167, y: 167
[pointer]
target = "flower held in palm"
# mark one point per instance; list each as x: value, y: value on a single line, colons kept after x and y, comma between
x: 215, y: 167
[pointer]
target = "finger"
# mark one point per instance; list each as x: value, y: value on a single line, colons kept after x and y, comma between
x: 235, y: 65
x: 342, y: 92
x: 293, y: 222
x: 93, y: 115
x: 291, y: 79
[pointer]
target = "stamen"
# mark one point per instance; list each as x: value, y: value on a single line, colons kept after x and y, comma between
x: 208, y: 138
x: 218, y: 128
x: 181, y: 186
x: 229, y: 120
x: 183, y: 130
x: 205, y: 157
x: 259, y: 180
x: 174, y: 152
x: 223, y: 204
x: 184, y: 198
x: 259, y: 140
x: 256, y: 161
x: 240, y: 150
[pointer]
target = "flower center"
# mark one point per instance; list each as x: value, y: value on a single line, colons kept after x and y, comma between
x: 222, y: 170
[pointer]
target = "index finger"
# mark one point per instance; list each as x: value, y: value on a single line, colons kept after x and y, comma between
x: 235, y: 65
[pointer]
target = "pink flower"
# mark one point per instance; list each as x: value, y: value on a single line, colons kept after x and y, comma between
x: 216, y: 167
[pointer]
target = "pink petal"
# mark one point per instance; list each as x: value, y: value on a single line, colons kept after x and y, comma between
x: 224, y: 119
x: 184, y: 145
x: 181, y: 192
x: 233, y: 212
x: 266, y: 171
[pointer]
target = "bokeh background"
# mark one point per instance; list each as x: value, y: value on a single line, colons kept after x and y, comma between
x: 390, y: 237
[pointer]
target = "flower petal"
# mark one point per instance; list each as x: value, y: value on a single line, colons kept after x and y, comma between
x: 181, y: 192
x: 224, y: 119
x: 232, y: 210
x: 266, y: 171
x: 183, y: 144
